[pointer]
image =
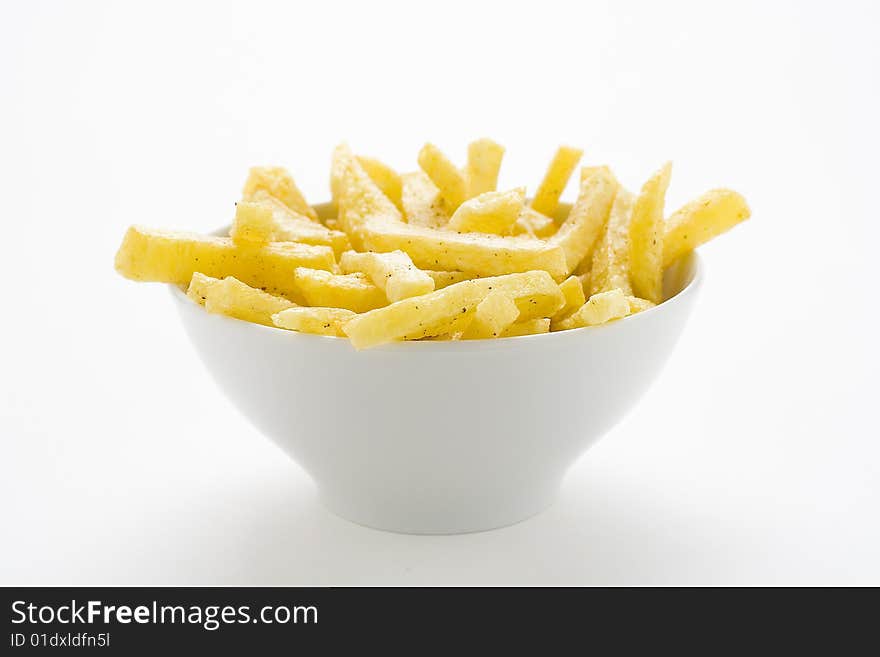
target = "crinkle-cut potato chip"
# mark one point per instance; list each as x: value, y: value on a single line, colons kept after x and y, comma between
x: 450, y: 309
x: 322, y: 321
x: 483, y: 164
x: 483, y: 255
x: 580, y: 231
x: 279, y: 183
x: 697, y: 222
x: 492, y: 316
x: 637, y: 305
x: 573, y: 292
x: 599, y: 309
x: 163, y: 256
x: 288, y: 226
x: 354, y: 292
x: 443, y: 173
x: 555, y: 179
x: 533, y: 223
x: 233, y: 298
x: 610, y: 261
x: 422, y: 203
x: 646, y: 232
x: 529, y: 327
x: 357, y: 197
x: 446, y: 278
x: 491, y: 212
x: 385, y: 177
x: 253, y: 224
x: 392, y: 272
x: 198, y: 287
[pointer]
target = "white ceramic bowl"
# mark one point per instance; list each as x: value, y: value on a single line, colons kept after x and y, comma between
x: 440, y: 437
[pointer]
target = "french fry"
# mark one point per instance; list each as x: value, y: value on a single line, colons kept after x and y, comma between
x: 446, y: 278
x: 354, y: 292
x: 637, y: 305
x: 448, y: 178
x: 528, y: 327
x: 393, y: 273
x: 573, y: 292
x: 483, y: 164
x: 531, y: 222
x: 385, y: 177
x: 585, y: 283
x: 561, y: 167
x: 451, y: 309
x: 646, y: 237
x: 702, y: 219
x: 357, y: 197
x: 599, y: 309
x: 421, y: 200
x: 586, y: 172
x: 233, y: 298
x: 253, y: 224
x: 199, y: 286
x: 610, y: 261
x: 161, y: 256
x: 322, y: 321
x: 285, y: 225
x: 482, y: 255
x: 493, y: 315
x: 279, y: 183
x: 579, y: 232
x: 491, y: 212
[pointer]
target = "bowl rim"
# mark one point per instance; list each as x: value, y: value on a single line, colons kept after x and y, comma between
x: 689, y: 290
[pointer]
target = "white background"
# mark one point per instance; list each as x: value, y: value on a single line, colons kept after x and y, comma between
x: 754, y: 458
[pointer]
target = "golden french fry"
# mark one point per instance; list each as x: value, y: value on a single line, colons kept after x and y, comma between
x: 610, y: 261
x: 573, y: 292
x: 586, y: 172
x: 233, y: 298
x: 646, y: 237
x: 637, y: 305
x: 531, y: 222
x: 561, y: 167
x: 702, y: 219
x: 491, y: 212
x: 392, y: 272
x: 286, y: 225
x: 585, y: 283
x: 446, y: 278
x: 493, y: 315
x: 353, y: 292
x: 357, y: 197
x: 579, y: 232
x: 422, y: 203
x: 483, y: 164
x: 199, y: 286
x: 528, y: 327
x: 322, y: 321
x: 450, y: 309
x: 253, y: 224
x: 161, y: 256
x: 279, y: 183
x: 599, y: 309
x: 448, y: 178
x: 482, y: 255
x: 385, y: 177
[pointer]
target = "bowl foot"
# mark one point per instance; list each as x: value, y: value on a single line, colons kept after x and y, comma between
x: 437, y: 516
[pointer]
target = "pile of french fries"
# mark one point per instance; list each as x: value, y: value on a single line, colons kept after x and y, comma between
x: 438, y: 253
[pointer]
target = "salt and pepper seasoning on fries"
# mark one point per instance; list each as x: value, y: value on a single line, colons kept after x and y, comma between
x: 437, y: 253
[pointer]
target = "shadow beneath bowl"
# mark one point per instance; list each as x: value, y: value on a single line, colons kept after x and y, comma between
x: 604, y: 531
